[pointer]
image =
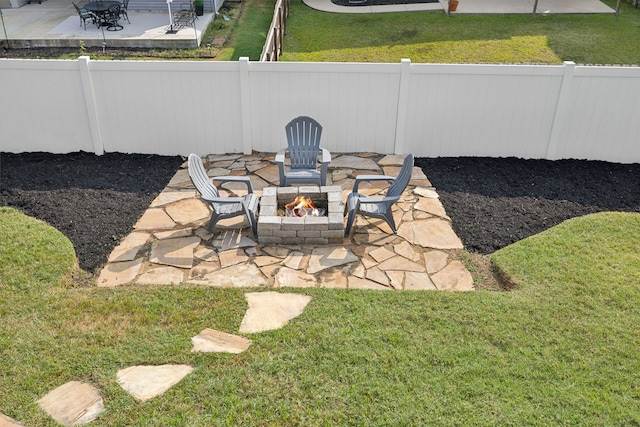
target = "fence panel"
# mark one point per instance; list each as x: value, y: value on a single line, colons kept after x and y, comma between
x: 224, y: 107
x: 603, y: 123
x: 168, y: 107
x: 481, y: 110
x: 355, y: 103
x: 42, y: 107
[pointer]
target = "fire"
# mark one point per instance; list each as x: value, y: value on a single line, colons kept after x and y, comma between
x: 302, y: 206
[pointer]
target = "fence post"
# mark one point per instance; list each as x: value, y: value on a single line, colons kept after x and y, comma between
x: 403, y: 98
x: 90, y: 102
x: 560, y: 123
x: 245, y: 104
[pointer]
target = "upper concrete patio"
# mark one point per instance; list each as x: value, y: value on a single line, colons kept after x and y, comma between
x: 55, y: 23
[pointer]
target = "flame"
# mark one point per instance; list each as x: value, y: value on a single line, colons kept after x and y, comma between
x: 301, y: 206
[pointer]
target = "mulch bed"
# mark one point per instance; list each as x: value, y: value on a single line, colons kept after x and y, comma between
x: 96, y: 200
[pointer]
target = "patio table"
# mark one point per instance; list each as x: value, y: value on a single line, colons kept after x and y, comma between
x: 100, y: 7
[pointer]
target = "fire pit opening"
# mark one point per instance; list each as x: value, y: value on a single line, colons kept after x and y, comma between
x: 303, y: 206
x: 301, y: 215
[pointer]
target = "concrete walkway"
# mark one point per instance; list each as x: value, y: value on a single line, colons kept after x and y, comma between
x: 170, y: 243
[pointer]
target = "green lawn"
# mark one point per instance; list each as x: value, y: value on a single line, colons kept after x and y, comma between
x: 561, y: 349
x: 434, y: 37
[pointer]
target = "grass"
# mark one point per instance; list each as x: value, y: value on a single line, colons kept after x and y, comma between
x: 434, y: 37
x: 559, y: 350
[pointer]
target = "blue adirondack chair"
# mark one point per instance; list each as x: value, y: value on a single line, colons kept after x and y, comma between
x: 303, y: 138
x: 378, y: 207
x: 223, y: 207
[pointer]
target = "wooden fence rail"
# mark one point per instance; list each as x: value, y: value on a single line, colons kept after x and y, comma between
x: 273, y: 45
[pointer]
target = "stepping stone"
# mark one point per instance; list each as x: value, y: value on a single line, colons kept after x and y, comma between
x: 454, y: 277
x: 174, y: 252
x: 145, y: 382
x: 171, y: 196
x: 161, y: 276
x: 418, y: 178
x: 206, y: 254
x: 119, y: 273
x: 210, y: 340
x: 232, y: 239
x: 271, y: 310
x: 154, y: 219
x: 353, y: 162
x: 333, y: 279
x: 188, y: 211
x: 9, y: 422
x: 211, y: 158
x: 396, y: 279
x: 433, y: 233
x: 327, y: 257
x: 73, y: 403
x: 129, y: 247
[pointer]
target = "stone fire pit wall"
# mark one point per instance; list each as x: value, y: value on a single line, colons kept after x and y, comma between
x: 309, y: 230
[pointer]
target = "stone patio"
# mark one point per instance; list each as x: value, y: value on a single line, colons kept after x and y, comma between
x: 170, y: 243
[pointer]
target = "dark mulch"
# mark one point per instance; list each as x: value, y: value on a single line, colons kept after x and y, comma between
x: 95, y: 200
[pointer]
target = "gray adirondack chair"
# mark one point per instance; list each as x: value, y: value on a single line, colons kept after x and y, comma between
x: 223, y: 207
x: 378, y: 207
x: 303, y: 138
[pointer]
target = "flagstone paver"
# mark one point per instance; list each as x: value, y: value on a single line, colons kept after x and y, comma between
x: 73, y: 403
x: 210, y: 340
x: 146, y: 382
x: 454, y: 277
x: 119, y: 273
x: 6, y: 421
x: 174, y: 252
x: 172, y: 236
x: 329, y: 256
x: 271, y: 310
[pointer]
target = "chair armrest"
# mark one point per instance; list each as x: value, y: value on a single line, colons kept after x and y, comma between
x: 241, y: 179
x: 326, y: 155
x: 280, y: 156
x: 368, y: 178
x: 223, y: 200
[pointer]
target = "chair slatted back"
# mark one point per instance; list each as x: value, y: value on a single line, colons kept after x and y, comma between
x: 303, y: 138
x: 200, y: 179
x: 401, y: 182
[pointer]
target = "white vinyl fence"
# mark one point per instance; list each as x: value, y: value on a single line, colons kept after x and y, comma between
x: 432, y: 110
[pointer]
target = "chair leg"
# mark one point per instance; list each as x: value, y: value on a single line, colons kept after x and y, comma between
x: 213, y: 221
x: 351, y: 216
x: 388, y: 216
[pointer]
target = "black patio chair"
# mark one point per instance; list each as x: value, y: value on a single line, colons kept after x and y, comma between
x: 111, y: 17
x: 124, y: 6
x: 85, y: 15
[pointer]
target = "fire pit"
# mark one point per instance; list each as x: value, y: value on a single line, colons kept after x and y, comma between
x: 314, y: 215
